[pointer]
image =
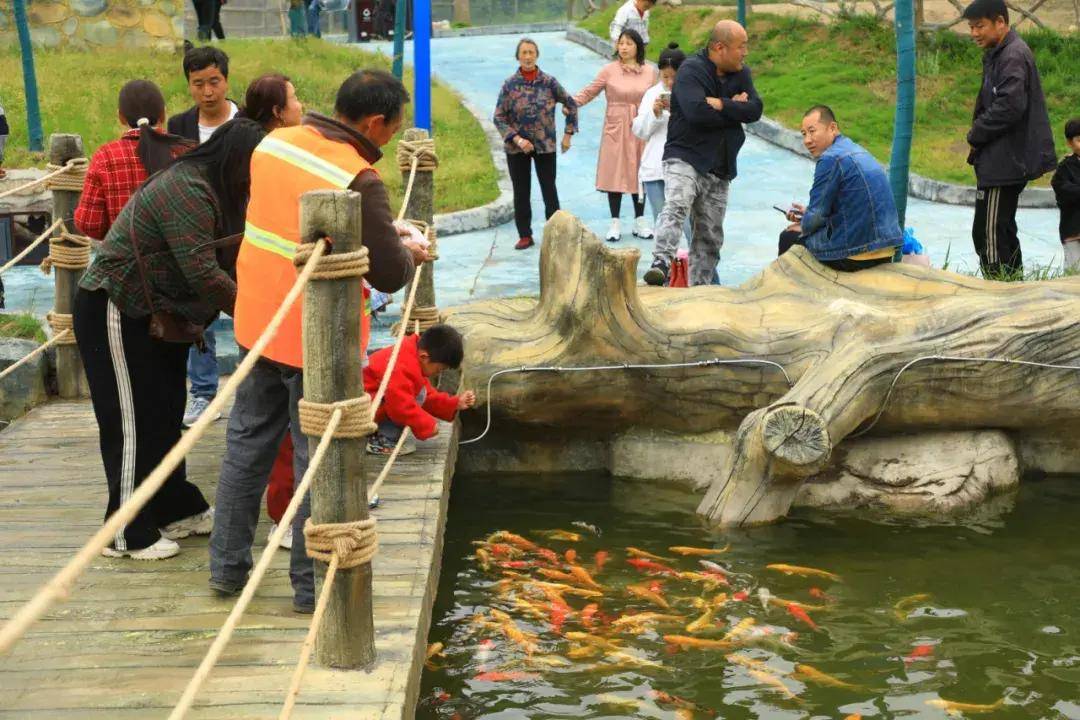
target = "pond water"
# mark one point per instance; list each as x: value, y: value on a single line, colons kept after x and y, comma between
x: 981, y: 610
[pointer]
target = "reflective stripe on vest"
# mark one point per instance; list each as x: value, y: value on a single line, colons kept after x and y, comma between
x: 287, y: 163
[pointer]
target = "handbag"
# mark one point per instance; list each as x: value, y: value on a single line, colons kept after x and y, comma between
x: 165, y: 326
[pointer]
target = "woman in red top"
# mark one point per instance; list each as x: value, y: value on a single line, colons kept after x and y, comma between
x: 119, y: 167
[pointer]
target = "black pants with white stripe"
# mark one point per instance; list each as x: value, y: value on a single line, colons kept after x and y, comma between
x: 994, y: 230
x: 137, y: 387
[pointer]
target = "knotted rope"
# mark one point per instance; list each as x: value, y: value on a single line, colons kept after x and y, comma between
x: 357, y: 418
x: 422, y: 152
x: 76, y: 165
x: 67, y: 252
x: 428, y: 231
x: 26, y: 251
x: 69, y: 176
x: 351, y: 543
x: 419, y: 320
x: 334, y: 266
x: 61, y: 323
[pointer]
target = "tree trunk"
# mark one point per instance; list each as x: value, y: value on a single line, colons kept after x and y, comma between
x: 841, y: 337
x: 462, y: 16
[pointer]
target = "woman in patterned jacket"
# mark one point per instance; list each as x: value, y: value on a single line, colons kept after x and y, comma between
x: 525, y: 117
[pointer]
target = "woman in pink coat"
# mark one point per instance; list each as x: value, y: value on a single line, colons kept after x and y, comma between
x: 624, y: 82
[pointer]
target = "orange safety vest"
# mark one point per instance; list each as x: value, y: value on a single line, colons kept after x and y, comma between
x: 287, y: 163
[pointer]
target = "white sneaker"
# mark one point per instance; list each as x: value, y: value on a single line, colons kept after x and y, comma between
x: 195, y: 408
x: 286, y: 539
x: 642, y: 229
x: 163, y: 548
x: 200, y: 524
x: 614, y: 233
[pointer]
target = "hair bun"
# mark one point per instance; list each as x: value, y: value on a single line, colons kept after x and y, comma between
x: 673, y: 46
x: 142, y: 121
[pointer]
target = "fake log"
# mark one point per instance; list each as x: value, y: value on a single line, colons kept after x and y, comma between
x: 841, y: 337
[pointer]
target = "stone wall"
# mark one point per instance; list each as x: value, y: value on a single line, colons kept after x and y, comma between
x: 86, y: 24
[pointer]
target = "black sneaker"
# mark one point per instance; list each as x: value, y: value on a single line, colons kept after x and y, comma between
x: 657, y: 274
x: 225, y: 590
x: 300, y: 609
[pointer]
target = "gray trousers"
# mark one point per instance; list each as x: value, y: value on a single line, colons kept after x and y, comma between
x: 702, y: 198
x: 265, y: 409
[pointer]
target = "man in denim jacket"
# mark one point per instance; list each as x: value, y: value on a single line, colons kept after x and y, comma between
x: 851, y: 222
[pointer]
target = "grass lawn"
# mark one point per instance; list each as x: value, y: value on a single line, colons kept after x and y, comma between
x: 850, y: 65
x: 21, y: 325
x: 78, y: 94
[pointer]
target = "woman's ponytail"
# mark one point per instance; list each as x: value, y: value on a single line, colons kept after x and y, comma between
x: 142, y: 105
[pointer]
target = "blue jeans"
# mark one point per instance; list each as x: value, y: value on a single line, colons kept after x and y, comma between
x: 202, y: 366
x: 391, y: 430
x: 314, y: 7
x: 654, y: 191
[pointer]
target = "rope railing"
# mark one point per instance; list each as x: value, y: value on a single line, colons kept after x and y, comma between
x: 60, y: 584
x: 76, y: 167
x: 59, y: 338
x: 29, y: 248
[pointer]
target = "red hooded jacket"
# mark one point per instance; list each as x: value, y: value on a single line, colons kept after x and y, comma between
x: 399, y: 404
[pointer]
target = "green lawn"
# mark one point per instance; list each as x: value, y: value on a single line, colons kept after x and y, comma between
x: 21, y: 325
x: 850, y: 65
x: 78, y: 94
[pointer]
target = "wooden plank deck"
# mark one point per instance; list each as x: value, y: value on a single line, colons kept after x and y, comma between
x: 130, y: 636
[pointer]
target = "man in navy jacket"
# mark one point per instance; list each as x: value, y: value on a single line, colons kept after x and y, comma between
x: 713, y: 97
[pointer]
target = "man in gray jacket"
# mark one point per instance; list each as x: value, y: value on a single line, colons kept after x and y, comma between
x: 1010, y: 138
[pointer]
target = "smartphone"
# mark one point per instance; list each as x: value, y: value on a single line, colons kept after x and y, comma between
x: 780, y: 210
x: 665, y: 97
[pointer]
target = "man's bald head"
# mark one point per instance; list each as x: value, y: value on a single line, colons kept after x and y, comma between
x: 728, y: 46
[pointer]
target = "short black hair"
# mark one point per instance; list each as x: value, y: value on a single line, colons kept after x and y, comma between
x: 443, y: 345
x: 635, y: 36
x: 987, y: 10
x: 1072, y: 128
x: 671, y: 57
x: 201, y: 58
x: 371, y: 92
x: 824, y: 112
x: 526, y: 41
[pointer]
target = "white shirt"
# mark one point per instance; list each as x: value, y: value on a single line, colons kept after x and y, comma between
x: 628, y: 18
x: 653, y: 130
x: 205, y: 131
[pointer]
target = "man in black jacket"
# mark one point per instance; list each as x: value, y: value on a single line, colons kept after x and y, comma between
x: 1066, y: 184
x: 713, y: 96
x: 1010, y: 138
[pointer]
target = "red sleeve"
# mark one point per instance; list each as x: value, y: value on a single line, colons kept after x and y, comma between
x: 92, y: 216
x: 441, y: 405
x: 402, y: 409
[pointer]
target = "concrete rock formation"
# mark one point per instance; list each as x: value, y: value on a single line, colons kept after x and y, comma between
x: 841, y: 338
x: 89, y: 24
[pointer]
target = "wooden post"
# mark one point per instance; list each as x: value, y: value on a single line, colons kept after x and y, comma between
x: 70, y: 379
x: 422, y: 207
x: 332, y: 311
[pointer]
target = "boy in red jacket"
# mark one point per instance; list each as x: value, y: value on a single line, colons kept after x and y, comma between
x: 410, y: 400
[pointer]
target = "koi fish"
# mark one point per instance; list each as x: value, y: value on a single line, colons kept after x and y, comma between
x: 904, y: 605
x: 764, y: 596
x: 599, y: 559
x: 584, y: 578
x: 571, y: 556
x: 582, y: 652
x: 503, y: 675
x: 645, y: 594
x: 639, y: 553
x: 719, y: 601
x: 504, y: 550
x: 610, y: 700
x: 434, y: 650
x: 516, y: 564
x: 650, y: 566
x: 741, y: 628
x: 502, y: 536
x: 558, y: 617
x: 954, y: 708
x: 812, y: 674
x: 799, y: 614
x: 550, y: 661
x: 563, y: 535
x: 684, y: 550
x: 586, y: 526
x: 550, y: 555
x: 783, y: 602
x: 684, y: 714
x: 803, y: 571
x: 921, y: 652
x: 621, y: 657
x: 587, y: 614
x: 484, y: 558
x: 702, y: 622
x: 529, y: 609
x: 595, y: 640
x: 740, y: 596
x: 774, y: 682
x: 818, y: 593
x: 568, y: 589
x: 709, y: 579
x: 644, y: 618
x: 557, y: 575
x: 700, y: 643
x: 747, y: 662
x: 853, y: 716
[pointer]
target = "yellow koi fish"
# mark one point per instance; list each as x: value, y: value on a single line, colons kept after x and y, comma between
x: 706, y: 620
x: 647, y: 594
x: 564, y: 535
x: 609, y: 700
x: 484, y: 558
x: 747, y: 662
x: 645, y: 618
x: 693, y: 642
x: 904, y: 605
x: 638, y: 553
x: 803, y: 571
x: 699, y: 552
x: 581, y: 652
x: 621, y: 657
x: 502, y: 536
x: 955, y: 708
x: 595, y: 640
x: 784, y: 603
x: 434, y: 650
x: 812, y: 674
x: 550, y: 661
x: 774, y: 682
x: 584, y: 578
x: 740, y: 629
x: 684, y: 714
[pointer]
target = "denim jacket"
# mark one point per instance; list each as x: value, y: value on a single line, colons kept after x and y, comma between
x: 851, y: 207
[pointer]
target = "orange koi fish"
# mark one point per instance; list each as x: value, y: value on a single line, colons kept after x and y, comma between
x: 502, y: 536
x: 434, y: 650
x: 645, y: 618
x: 571, y: 556
x: 650, y: 566
x: 516, y: 564
x: 774, y: 682
x: 956, y: 708
x: 599, y: 559
x: 799, y: 614
x: 563, y: 535
x: 684, y: 714
x: 504, y: 550
x: 816, y: 592
x: 646, y: 594
x: 699, y: 552
x: 694, y: 642
x: 812, y: 674
x: 550, y: 555
x: 639, y: 553
x: 504, y: 675
x: 853, y: 716
x: 921, y: 652
x: 484, y: 558
x: 747, y: 662
x: 587, y: 614
x: 710, y: 579
x: 558, y: 617
x: 557, y: 575
x: 584, y: 578
x: 740, y: 596
x: 803, y: 571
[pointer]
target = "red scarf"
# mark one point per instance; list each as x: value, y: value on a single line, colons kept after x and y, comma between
x: 530, y: 75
